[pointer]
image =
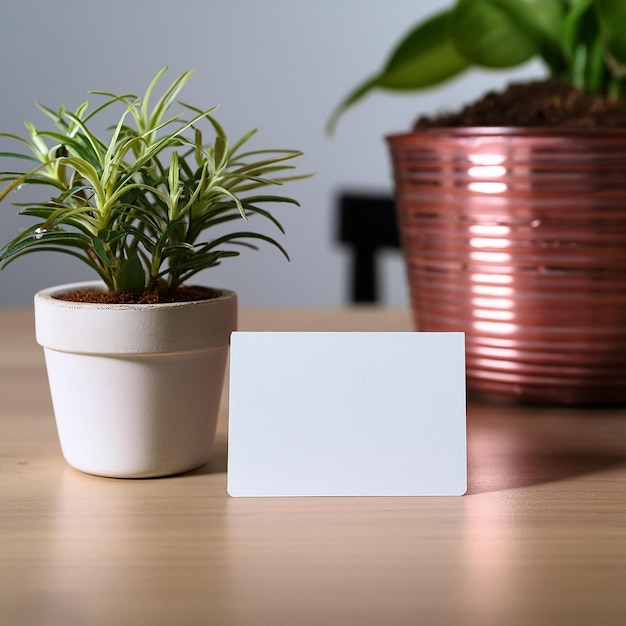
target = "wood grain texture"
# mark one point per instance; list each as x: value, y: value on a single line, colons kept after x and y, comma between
x: 540, y: 538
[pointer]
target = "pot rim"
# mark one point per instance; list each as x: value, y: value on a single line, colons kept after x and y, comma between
x: 618, y: 133
x: 49, y: 293
x: 133, y: 329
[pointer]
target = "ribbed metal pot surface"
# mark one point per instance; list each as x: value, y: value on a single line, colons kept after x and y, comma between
x: 518, y: 238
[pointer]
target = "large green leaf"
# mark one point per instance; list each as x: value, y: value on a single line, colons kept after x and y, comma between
x: 424, y: 58
x: 506, y: 33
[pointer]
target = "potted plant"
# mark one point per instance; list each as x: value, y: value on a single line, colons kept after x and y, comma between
x: 512, y: 212
x: 136, y: 360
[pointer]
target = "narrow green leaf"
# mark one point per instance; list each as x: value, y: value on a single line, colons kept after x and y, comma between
x: 174, y: 174
x: 55, y: 115
x: 166, y: 99
x: 113, y: 143
x: 573, y: 24
x: 17, y: 182
x: 611, y: 15
x: 96, y: 146
x: 100, y: 249
x: 146, y: 98
x: 39, y: 146
x: 47, y: 248
x: 241, y: 141
x: 40, y: 240
x: 251, y: 209
x: 221, y: 151
x: 238, y: 237
x: 130, y: 275
x: 198, y: 152
x: 17, y: 155
x: 78, y: 145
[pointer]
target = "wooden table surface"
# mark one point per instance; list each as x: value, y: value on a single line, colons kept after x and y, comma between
x: 540, y: 538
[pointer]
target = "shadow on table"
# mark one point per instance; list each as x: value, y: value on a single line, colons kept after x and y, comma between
x: 532, y: 470
x: 517, y: 447
x: 511, y: 447
x: 217, y: 464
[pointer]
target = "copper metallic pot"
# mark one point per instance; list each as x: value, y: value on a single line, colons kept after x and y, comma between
x: 518, y: 238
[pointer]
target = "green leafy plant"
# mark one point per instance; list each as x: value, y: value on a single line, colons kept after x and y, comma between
x: 135, y: 206
x: 582, y: 42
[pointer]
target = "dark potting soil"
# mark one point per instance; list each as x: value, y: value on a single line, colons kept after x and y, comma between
x: 547, y: 103
x: 159, y: 295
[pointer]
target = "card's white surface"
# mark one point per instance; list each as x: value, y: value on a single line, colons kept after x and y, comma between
x: 347, y: 414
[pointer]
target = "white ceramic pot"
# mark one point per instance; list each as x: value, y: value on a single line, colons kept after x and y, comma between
x: 135, y: 388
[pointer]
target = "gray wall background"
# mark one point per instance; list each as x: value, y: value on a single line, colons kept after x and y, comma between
x: 276, y: 65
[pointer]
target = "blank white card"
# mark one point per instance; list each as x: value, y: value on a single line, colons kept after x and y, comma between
x: 347, y: 414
